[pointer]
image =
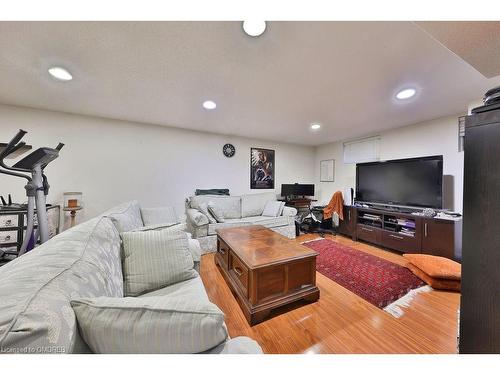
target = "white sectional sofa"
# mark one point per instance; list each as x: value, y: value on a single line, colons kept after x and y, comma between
x: 238, y: 211
x: 85, y: 261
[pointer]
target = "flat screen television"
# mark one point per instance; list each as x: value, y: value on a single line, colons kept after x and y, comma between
x: 297, y: 189
x: 416, y: 182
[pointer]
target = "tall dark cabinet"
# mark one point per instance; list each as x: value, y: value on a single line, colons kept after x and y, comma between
x: 480, y: 299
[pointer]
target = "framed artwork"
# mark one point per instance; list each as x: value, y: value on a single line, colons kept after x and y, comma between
x: 262, y: 168
x: 327, y: 170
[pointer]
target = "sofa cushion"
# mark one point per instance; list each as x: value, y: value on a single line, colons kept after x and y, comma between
x: 273, y: 208
x: 230, y: 205
x: 216, y: 212
x: 229, y: 223
x: 268, y: 222
x: 150, y: 324
x: 192, y: 289
x: 161, y: 226
x: 36, y: 289
x: 253, y: 204
x: 158, y: 215
x: 126, y: 216
x: 271, y: 222
x: 155, y: 259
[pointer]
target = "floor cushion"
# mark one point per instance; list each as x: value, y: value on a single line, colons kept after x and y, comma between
x: 435, y: 282
x: 434, y: 266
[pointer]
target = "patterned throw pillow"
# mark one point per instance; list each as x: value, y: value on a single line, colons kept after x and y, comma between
x: 203, y: 207
x: 149, y: 324
x: 155, y: 259
x: 216, y: 212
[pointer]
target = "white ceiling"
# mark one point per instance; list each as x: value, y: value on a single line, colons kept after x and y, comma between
x: 341, y: 74
x: 478, y: 43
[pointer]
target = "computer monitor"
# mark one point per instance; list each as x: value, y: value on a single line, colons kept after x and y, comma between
x: 297, y: 189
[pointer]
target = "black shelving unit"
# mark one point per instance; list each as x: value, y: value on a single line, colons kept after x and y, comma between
x: 13, y: 228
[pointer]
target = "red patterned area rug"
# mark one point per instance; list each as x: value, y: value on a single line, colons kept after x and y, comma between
x: 386, y: 285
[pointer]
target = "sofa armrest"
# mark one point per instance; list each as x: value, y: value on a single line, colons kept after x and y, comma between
x: 196, y: 217
x: 289, y: 211
x: 238, y: 345
x: 195, y: 249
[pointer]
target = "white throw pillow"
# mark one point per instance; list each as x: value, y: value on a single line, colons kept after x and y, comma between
x: 159, y: 324
x: 272, y: 208
x: 155, y: 259
x: 216, y: 212
x: 203, y: 207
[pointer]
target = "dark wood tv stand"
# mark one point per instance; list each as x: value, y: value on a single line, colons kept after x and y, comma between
x: 385, y: 228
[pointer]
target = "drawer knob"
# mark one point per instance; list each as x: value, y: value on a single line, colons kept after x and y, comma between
x: 238, y: 271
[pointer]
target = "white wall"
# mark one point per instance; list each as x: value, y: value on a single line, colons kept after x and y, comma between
x: 436, y: 137
x: 114, y: 161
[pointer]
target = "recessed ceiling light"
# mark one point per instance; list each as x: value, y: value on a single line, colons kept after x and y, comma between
x: 60, y: 74
x: 209, y: 104
x: 254, y: 28
x: 315, y: 126
x: 406, y: 94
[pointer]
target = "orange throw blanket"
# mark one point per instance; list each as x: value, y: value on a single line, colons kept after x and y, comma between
x: 336, y: 205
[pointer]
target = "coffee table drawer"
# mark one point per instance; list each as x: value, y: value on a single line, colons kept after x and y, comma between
x: 223, y: 252
x: 239, y: 272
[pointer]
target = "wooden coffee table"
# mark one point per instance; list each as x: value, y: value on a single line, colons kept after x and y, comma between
x: 265, y: 269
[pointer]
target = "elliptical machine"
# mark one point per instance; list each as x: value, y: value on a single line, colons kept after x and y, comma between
x: 37, y: 187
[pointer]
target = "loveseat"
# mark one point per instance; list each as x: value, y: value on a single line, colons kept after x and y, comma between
x: 237, y: 211
x: 36, y: 315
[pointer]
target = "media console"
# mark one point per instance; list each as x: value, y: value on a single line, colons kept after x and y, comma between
x: 403, y: 232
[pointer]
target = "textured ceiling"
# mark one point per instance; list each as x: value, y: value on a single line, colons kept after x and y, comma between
x: 478, y: 43
x: 341, y: 74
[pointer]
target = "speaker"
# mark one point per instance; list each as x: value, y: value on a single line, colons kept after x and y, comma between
x: 348, y: 196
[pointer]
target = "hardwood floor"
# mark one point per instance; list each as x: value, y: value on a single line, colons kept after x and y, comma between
x: 342, y: 322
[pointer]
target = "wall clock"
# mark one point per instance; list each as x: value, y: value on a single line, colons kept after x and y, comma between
x: 228, y: 150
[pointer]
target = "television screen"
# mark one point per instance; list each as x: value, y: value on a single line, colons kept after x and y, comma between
x: 297, y: 189
x: 416, y: 182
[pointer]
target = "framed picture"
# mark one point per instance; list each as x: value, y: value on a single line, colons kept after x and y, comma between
x: 327, y: 170
x: 262, y: 168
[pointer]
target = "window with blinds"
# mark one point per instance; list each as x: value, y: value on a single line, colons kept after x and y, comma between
x: 362, y: 150
x: 461, y: 133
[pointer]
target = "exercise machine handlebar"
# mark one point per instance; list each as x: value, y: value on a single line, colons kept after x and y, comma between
x: 12, y: 144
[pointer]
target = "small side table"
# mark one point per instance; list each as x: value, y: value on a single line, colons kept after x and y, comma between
x: 72, y: 213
